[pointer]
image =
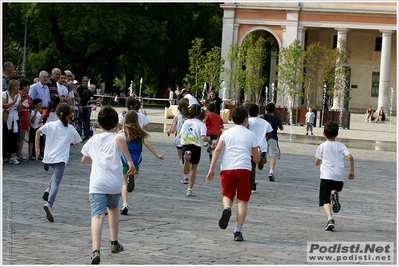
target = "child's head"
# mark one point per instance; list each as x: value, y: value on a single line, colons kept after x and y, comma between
x: 24, y: 84
x: 246, y: 104
x: 130, y: 103
x: 195, y: 111
x: 239, y: 115
x: 183, y: 107
x: 253, y: 110
x: 310, y: 109
x: 63, y: 111
x: 108, y: 118
x: 270, y: 108
x: 331, y: 129
x: 55, y: 100
x: 37, y: 103
x: 211, y: 107
x: 132, y: 129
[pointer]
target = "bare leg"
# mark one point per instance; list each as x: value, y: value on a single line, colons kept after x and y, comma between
x: 97, y: 223
x: 227, y: 202
x: 186, y: 167
x: 193, y: 175
x: 272, y: 163
x: 113, y: 221
x: 124, y: 189
x: 241, y: 212
x: 327, y: 209
x: 180, y: 155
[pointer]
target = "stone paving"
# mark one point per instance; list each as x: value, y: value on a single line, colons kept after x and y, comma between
x: 164, y: 227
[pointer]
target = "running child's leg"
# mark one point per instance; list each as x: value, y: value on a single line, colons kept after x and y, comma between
x: 124, y: 189
x: 193, y: 175
x: 55, y: 180
x: 97, y: 223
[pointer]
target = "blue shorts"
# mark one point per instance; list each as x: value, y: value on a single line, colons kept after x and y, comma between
x: 100, y: 202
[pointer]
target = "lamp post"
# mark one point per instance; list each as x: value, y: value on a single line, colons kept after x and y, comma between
x: 273, y: 62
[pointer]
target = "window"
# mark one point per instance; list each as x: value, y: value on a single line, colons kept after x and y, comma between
x: 375, y: 83
x: 378, y: 43
x: 335, y: 41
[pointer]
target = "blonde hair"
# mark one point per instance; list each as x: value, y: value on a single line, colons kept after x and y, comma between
x: 132, y: 128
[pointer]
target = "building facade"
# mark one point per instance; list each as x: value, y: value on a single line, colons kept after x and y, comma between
x: 369, y: 28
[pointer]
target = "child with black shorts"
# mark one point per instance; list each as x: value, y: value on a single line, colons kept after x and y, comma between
x: 193, y: 133
x: 329, y: 156
x: 239, y: 144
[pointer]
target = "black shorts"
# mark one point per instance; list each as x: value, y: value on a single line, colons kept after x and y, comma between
x: 326, y: 186
x: 213, y: 136
x: 32, y: 135
x: 195, y: 153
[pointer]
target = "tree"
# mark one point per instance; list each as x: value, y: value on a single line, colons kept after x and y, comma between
x: 213, y: 66
x: 196, y: 63
x: 233, y: 72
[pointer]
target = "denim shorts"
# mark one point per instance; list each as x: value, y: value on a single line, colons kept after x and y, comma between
x: 100, y: 202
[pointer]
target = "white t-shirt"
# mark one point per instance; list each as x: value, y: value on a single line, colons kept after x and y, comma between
x: 143, y: 120
x: 332, y: 165
x: 180, y: 120
x: 309, y: 117
x: 239, y: 142
x: 58, y: 141
x: 106, y: 175
x: 13, y: 114
x: 62, y: 90
x: 260, y: 127
x: 191, y: 99
x: 191, y: 132
x: 52, y: 117
x: 36, y: 124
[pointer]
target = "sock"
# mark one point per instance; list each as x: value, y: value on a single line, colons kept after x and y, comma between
x: 96, y: 250
x: 238, y: 228
x: 227, y: 207
x: 330, y: 218
x: 271, y: 171
x: 189, y: 189
x: 114, y: 242
x: 185, y: 175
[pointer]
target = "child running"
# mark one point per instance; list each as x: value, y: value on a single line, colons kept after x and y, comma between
x: 135, y: 137
x: 178, y: 120
x: 59, y: 136
x: 239, y: 144
x: 106, y: 178
x: 131, y: 104
x: 214, y: 126
x: 329, y: 156
x: 192, y: 134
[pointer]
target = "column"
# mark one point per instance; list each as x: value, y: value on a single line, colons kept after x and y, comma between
x: 385, y: 67
x: 301, y: 36
x: 338, y: 94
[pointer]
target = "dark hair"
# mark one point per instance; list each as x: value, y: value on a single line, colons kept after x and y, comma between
x: 108, y: 118
x: 36, y: 101
x: 195, y: 111
x: 246, y: 104
x: 14, y: 77
x: 23, y: 82
x: 212, y: 107
x: 132, y: 128
x: 183, y: 107
x: 253, y: 110
x: 55, y: 100
x: 239, y: 114
x: 130, y: 103
x: 270, y: 108
x: 63, y: 111
x: 331, y: 129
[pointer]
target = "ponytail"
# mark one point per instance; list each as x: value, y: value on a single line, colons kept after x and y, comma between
x: 63, y: 111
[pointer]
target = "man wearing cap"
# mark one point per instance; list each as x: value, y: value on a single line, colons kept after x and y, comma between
x: 186, y: 93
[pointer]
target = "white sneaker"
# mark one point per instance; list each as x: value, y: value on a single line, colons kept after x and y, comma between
x: 13, y: 161
x: 189, y: 193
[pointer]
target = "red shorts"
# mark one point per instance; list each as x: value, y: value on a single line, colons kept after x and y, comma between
x: 236, y: 180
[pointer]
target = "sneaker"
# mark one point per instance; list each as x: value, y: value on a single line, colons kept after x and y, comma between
x: 209, y: 149
x: 189, y: 193
x: 238, y: 236
x: 307, y: 133
x: 213, y: 146
x: 184, y: 181
x: 95, y: 258
x: 312, y: 134
x: 46, y: 194
x: 116, y: 248
x: 124, y: 209
x: 31, y: 157
x: 224, y: 220
x: 13, y: 161
x: 271, y: 177
x: 210, y: 158
x: 46, y: 166
x: 330, y: 225
x: 40, y: 157
x: 130, y: 183
x: 187, y: 156
x: 22, y: 158
x: 49, y: 212
x: 335, y: 202
x: 253, y: 188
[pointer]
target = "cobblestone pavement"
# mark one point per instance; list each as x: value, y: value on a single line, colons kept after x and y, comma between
x: 164, y: 227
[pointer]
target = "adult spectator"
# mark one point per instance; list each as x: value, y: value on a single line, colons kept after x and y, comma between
x: 93, y: 99
x: 83, y: 91
x: 177, y: 92
x: 8, y: 69
x: 52, y: 82
x: 186, y: 93
x: 380, y: 115
x: 62, y: 89
x: 41, y: 90
x: 213, y: 98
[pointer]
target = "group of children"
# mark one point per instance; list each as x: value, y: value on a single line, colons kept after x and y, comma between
x: 116, y: 155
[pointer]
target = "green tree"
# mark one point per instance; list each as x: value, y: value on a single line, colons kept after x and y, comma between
x: 213, y: 66
x: 196, y: 58
x: 234, y: 71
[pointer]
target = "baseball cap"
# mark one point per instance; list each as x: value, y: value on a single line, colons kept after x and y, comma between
x: 75, y: 82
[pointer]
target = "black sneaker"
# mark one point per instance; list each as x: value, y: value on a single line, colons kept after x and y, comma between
x: 49, y: 212
x: 116, y: 248
x: 46, y: 166
x: 224, y: 220
x: 330, y: 225
x: 238, y: 236
x: 254, y: 188
x: 95, y: 258
x: 124, y: 209
x: 335, y: 202
x: 130, y: 183
x: 271, y: 177
x: 307, y: 133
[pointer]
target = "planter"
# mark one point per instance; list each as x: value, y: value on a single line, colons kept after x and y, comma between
x: 230, y: 107
x: 335, y: 116
x: 284, y: 114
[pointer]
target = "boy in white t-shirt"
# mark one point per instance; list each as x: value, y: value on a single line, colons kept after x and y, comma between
x: 36, y: 117
x: 332, y: 170
x: 106, y: 178
x: 263, y: 131
x: 309, y: 120
x: 239, y: 144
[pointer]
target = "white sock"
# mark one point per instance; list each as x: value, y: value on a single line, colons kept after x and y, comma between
x: 271, y: 171
x: 330, y: 218
x: 227, y: 207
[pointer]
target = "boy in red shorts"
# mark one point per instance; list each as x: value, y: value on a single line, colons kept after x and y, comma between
x: 239, y: 145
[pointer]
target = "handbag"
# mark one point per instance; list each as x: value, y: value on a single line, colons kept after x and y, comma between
x: 5, y: 112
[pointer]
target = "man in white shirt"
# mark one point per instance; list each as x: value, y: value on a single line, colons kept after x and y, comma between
x: 186, y: 93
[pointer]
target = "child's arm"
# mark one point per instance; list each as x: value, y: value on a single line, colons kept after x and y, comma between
x: 216, y: 154
x: 352, y: 167
x: 121, y: 142
x: 37, y: 143
x: 152, y: 149
x: 268, y: 136
x: 206, y: 138
x: 85, y: 159
x: 205, y: 119
x: 255, y: 155
x: 317, y: 162
x: 33, y: 119
x: 173, y: 126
